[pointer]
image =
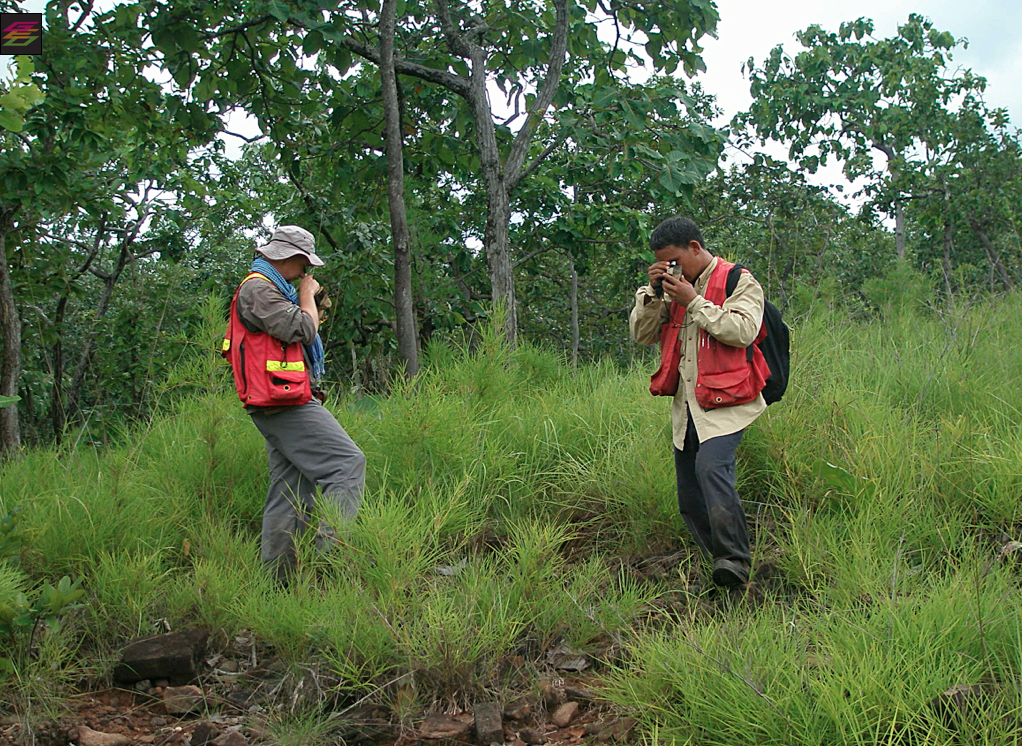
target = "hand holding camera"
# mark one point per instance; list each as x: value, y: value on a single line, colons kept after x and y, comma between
x: 656, y: 276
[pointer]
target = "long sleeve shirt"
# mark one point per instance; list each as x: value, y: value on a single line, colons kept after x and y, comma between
x: 735, y: 323
x: 262, y: 305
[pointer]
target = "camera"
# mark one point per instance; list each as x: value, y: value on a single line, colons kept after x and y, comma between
x: 658, y: 286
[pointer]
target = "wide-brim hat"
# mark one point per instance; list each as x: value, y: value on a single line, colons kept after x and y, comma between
x: 289, y: 240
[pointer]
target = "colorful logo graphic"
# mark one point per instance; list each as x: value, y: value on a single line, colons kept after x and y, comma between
x: 21, y: 33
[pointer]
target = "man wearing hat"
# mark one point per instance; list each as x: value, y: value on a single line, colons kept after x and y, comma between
x: 277, y: 358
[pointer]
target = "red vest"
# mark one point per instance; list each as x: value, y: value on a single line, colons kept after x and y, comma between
x: 267, y: 372
x: 726, y: 374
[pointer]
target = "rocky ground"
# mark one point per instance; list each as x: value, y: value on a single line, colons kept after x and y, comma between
x: 182, y: 688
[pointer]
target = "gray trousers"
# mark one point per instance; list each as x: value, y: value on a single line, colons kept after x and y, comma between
x: 307, y: 449
x: 707, y: 497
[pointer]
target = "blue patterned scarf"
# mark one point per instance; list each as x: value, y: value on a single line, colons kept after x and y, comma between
x: 315, y: 350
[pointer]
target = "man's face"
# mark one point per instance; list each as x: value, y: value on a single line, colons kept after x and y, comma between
x: 294, y: 267
x: 689, y: 258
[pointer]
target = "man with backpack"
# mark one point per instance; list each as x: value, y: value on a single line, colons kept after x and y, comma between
x: 715, y: 371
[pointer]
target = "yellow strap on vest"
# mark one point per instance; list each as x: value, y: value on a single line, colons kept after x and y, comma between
x: 280, y: 365
x: 227, y: 344
x: 255, y: 274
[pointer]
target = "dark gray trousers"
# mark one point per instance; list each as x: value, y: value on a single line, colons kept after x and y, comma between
x: 707, y: 497
x: 307, y: 449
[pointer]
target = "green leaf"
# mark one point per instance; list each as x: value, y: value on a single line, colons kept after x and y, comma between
x: 6, y: 401
x: 278, y: 10
x: 11, y: 121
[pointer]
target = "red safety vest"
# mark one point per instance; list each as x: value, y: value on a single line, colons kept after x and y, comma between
x: 727, y: 375
x: 267, y: 372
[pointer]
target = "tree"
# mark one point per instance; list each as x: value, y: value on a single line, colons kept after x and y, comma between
x: 404, y: 314
x: 848, y: 95
x: 102, y: 133
x: 533, y: 53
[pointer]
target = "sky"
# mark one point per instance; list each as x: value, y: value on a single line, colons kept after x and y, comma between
x: 751, y: 28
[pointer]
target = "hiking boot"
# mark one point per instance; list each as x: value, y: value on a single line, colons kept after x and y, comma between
x: 728, y: 573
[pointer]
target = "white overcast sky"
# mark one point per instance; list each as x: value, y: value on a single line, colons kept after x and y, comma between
x: 751, y: 28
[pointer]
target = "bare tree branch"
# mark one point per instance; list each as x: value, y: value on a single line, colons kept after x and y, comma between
x: 558, y: 51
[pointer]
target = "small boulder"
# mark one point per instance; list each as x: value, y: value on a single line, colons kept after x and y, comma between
x: 564, y: 714
x: 532, y: 736
x: 89, y: 737
x: 489, y: 723
x: 230, y: 738
x: 181, y: 700
x: 173, y: 656
x: 442, y: 727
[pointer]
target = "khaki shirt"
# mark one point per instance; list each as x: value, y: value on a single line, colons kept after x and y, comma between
x: 262, y: 305
x: 736, y: 323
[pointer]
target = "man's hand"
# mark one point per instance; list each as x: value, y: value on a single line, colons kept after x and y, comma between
x: 656, y: 271
x: 307, y: 297
x: 679, y: 289
x: 308, y: 285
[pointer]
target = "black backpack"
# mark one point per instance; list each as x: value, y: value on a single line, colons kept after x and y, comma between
x: 774, y: 346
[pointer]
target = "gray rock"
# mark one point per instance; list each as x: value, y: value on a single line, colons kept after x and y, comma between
x: 489, y: 723
x: 173, y: 657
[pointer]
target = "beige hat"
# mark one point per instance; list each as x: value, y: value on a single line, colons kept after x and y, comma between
x: 289, y: 240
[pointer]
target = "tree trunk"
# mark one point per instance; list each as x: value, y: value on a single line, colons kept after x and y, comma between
x: 10, y: 355
x: 404, y: 312
x: 899, y: 230
x: 58, y: 414
x: 85, y: 358
x: 992, y: 254
x: 573, y: 273
x: 498, y: 207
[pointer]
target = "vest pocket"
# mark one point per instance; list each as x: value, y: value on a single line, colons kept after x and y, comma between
x: 287, y: 386
x: 726, y: 389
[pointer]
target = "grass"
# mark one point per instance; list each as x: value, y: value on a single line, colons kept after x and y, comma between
x: 510, y: 498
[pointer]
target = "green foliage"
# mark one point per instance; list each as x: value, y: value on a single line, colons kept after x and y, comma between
x: 20, y: 96
x: 23, y: 611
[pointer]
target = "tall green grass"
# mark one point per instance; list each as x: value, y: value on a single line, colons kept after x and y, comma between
x: 509, y: 499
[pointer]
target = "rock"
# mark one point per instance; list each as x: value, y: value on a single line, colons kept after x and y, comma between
x: 517, y: 710
x: 960, y: 701
x: 204, y: 733
x: 172, y: 656
x: 231, y: 738
x: 230, y: 666
x: 564, y: 658
x: 532, y: 736
x: 89, y: 737
x: 489, y: 723
x: 442, y: 727
x: 564, y: 714
x: 619, y: 730
x: 578, y: 692
x: 552, y: 691
x: 181, y: 700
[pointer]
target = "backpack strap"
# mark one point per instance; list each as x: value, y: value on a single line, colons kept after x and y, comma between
x: 733, y: 277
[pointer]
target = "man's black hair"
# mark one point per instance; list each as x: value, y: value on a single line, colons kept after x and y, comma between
x: 676, y: 231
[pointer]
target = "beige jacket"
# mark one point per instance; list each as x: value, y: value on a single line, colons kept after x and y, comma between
x: 736, y: 323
